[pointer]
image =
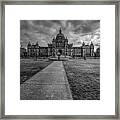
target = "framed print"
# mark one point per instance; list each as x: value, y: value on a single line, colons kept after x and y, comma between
x: 59, y: 60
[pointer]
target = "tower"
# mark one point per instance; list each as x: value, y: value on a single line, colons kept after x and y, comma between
x: 91, y: 49
x: 29, y: 48
x: 83, y: 50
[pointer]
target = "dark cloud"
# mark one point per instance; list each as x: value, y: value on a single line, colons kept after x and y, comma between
x: 43, y: 31
x: 86, y: 26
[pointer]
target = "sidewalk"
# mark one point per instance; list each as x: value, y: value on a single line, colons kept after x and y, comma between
x: 49, y: 84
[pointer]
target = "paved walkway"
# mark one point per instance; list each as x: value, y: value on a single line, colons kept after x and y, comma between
x: 49, y: 84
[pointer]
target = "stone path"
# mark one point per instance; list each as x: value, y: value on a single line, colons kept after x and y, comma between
x: 49, y: 84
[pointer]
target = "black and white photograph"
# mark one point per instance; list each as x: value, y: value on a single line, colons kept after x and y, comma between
x: 58, y: 56
x: 59, y: 59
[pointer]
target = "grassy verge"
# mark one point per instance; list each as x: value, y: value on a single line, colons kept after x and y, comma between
x: 29, y: 67
x: 84, y: 78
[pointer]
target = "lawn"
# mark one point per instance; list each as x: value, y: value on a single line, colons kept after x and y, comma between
x: 84, y: 78
x: 29, y: 67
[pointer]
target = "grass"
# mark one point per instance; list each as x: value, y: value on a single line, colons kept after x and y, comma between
x: 29, y: 67
x: 84, y: 78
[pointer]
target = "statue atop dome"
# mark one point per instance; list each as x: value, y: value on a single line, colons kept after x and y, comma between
x: 60, y: 31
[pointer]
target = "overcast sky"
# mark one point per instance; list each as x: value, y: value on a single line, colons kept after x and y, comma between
x: 43, y: 31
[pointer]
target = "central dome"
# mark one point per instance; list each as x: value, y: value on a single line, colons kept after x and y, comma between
x: 60, y: 35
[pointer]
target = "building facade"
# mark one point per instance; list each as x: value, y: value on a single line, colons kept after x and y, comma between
x: 60, y: 46
x: 97, y: 54
x: 23, y: 52
x: 34, y: 50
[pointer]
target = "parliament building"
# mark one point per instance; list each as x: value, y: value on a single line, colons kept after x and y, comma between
x: 59, y: 45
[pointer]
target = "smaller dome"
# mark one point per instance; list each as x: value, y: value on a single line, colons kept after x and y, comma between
x: 91, y: 43
x: 29, y: 44
x: 37, y: 43
x: 83, y: 44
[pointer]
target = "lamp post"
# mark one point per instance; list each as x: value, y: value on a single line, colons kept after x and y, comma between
x: 36, y: 54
